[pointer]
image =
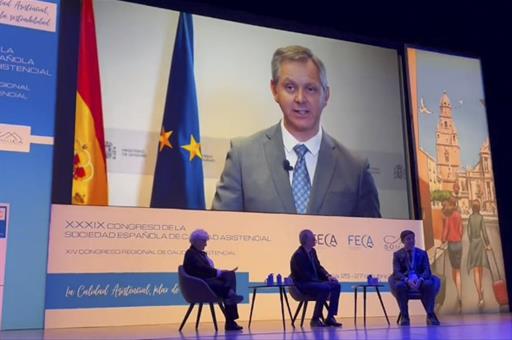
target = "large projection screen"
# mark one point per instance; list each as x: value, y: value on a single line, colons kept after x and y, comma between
x: 232, y: 74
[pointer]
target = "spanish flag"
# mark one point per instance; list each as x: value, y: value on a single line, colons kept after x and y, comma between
x: 90, y: 184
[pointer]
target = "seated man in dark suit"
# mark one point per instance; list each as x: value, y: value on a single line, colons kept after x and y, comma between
x: 312, y: 279
x: 222, y: 282
x: 411, y: 271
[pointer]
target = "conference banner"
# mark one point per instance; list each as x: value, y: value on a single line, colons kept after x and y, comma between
x: 118, y: 265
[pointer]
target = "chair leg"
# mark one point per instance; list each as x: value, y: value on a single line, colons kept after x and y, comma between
x: 212, y: 309
x: 326, y: 307
x: 303, y: 313
x: 199, y: 315
x: 222, y: 308
x: 186, y: 315
x: 287, y: 304
x: 399, y: 317
x: 423, y: 304
x: 297, y: 312
x: 382, y: 304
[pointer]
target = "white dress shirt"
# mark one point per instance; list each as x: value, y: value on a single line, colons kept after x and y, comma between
x: 313, y: 145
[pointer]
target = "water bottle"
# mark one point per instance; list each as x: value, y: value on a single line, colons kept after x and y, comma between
x: 270, y: 279
x: 279, y: 279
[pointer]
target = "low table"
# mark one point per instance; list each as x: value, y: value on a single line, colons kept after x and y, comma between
x: 282, y: 296
x: 365, y: 287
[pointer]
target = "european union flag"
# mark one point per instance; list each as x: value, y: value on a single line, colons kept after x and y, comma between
x: 178, y: 181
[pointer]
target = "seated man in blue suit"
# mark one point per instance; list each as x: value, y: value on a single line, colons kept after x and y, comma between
x: 312, y: 279
x: 222, y: 282
x: 411, y: 272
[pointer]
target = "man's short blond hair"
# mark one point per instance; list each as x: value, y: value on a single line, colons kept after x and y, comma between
x: 297, y: 53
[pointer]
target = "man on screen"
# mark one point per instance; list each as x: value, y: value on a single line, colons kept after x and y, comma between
x: 312, y: 279
x: 295, y: 166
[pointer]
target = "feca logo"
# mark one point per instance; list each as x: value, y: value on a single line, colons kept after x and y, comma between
x: 360, y: 241
x: 326, y: 240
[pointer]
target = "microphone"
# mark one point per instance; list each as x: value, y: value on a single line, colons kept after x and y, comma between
x: 287, y: 166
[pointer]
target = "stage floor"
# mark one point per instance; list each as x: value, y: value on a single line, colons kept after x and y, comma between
x: 474, y: 326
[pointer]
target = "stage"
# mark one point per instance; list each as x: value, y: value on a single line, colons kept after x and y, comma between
x: 474, y: 326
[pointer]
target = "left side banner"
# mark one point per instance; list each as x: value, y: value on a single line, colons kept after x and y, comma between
x: 29, y: 38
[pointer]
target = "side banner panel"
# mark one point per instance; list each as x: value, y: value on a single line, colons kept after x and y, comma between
x: 456, y: 180
x: 29, y: 33
x: 4, y: 226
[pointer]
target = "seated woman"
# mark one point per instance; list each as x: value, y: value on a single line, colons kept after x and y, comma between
x: 222, y: 282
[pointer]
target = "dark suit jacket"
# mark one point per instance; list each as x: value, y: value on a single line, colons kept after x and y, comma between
x: 196, y: 264
x: 302, y: 267
x: 254, y: 179
x: 401, y: 264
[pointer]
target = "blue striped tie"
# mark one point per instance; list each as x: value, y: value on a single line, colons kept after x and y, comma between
x: 301, y: 185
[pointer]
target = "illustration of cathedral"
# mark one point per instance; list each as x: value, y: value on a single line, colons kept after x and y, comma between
x: 465, y: 184
x: 442, y: 176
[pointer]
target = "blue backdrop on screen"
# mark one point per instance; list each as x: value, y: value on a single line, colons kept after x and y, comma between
x: 178, y: 181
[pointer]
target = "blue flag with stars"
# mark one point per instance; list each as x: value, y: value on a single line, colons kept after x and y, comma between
x: 178, y: 181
